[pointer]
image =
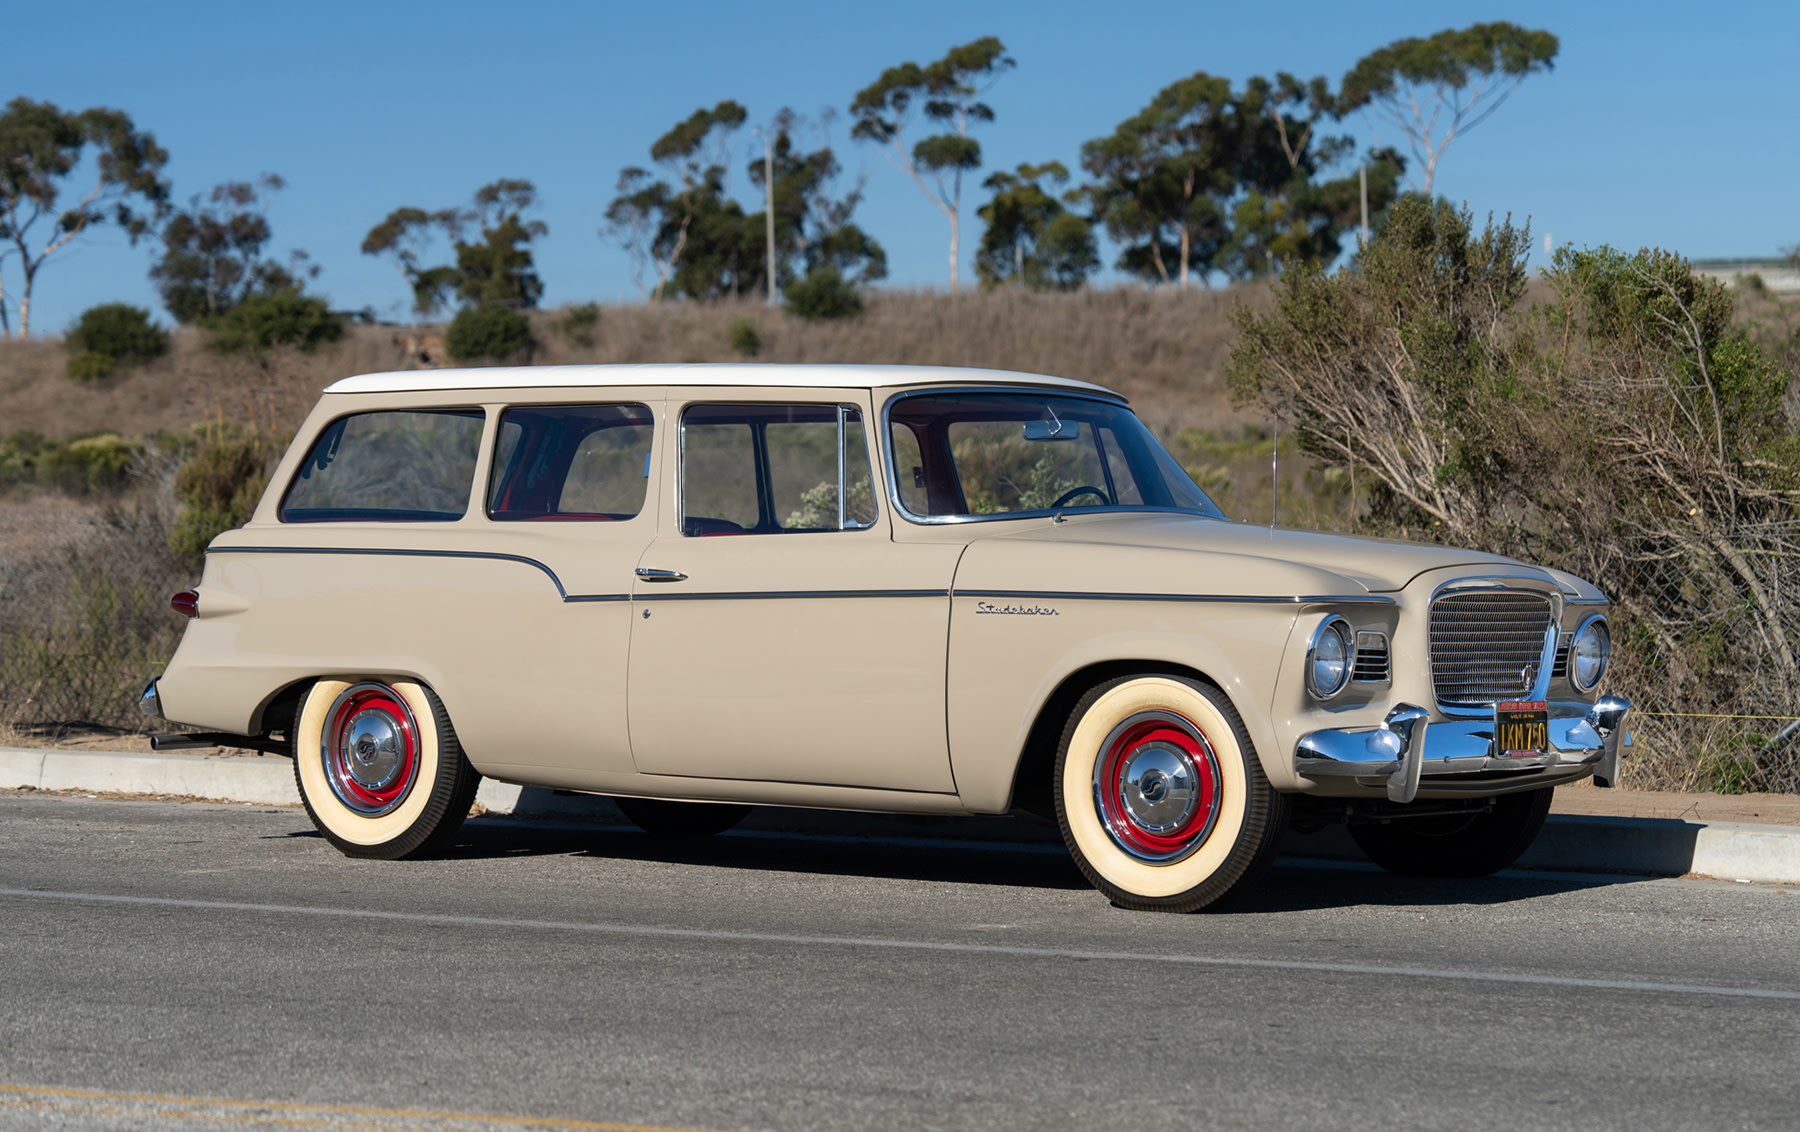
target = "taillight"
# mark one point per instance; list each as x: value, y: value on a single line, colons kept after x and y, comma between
x: 186, y: 603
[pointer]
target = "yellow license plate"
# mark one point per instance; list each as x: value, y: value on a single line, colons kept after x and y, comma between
x: 1521, y: 729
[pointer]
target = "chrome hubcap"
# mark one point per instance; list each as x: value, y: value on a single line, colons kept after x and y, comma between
x: 1157, y: 787
x: 370, y: 748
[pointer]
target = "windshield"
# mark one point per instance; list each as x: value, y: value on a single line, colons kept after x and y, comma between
x: 975, y: 454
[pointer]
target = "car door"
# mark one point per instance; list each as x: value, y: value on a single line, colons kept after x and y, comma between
x: 568, y: 508
x: 780, y: 633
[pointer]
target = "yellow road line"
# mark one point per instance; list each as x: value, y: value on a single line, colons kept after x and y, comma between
x: 340, y: 1110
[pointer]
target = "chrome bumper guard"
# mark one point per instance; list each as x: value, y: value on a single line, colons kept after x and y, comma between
x: 1407, y: 749
x: 149, y: 702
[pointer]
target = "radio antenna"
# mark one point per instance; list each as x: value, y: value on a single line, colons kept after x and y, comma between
x: 1275, y: 474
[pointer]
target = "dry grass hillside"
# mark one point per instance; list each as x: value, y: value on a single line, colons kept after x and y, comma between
x: 1166, y: 351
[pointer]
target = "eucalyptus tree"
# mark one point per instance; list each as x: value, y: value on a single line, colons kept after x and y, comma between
x: 490, y: 241
x: 1031, y: 240
x: 813, y: 225
x: 42, y: 150
x: 1436, y: 89
x: 1164, y: 177
x: 656, y: 219
x: 212, y: 252
x: 949, y: 93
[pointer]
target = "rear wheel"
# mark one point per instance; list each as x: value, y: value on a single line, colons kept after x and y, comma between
x: 1160, y: 796
x: 1472, y: 845
x: 379, y: 767
x: 681, y: 819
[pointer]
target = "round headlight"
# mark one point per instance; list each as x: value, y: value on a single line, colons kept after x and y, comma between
x: 1329, y: 658
x: 1589, y: 654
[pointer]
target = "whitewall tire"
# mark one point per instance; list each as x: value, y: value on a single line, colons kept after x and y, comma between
x: 379, y: 767
x: 1160, y: 796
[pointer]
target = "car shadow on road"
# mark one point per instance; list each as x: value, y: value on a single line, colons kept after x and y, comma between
x: 1015, y: 855
x: 822, y: 851
x: 1296, y: 884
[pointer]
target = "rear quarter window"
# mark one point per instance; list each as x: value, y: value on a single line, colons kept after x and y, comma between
x: 390, y: 466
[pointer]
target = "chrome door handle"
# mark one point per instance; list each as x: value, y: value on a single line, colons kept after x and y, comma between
x: 661, y: 575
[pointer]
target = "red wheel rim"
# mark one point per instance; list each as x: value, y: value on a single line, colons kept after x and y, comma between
x: 370, y: 748
x: 1157, y: 786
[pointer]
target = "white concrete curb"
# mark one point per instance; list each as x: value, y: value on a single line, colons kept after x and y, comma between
x: 1767, y: 854
x: 231, y: 778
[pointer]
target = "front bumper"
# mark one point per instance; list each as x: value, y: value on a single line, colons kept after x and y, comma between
x: 1407, y: 751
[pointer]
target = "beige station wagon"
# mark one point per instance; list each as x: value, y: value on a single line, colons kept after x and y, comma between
x: 914, y: 590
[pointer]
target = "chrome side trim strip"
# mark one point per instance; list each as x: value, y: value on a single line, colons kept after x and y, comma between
x: 1226, y: 599
x: 774, y: 595
x: 395, y: 553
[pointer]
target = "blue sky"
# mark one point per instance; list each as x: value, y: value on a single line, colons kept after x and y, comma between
x: 1667, y: 124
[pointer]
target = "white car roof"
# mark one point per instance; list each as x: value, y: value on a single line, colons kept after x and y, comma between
x: 723, y: 374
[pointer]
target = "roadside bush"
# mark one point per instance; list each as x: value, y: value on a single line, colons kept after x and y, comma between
x: 578, y: 323
x: 745, y: 338
x: 89, y: 465
x: 1626, y: 431
x: 219, y: 488
x: 487, y: 333
x: 86, y: 619
x: 823, y: 294
x: 265, y: 320
x: 19, y: 457
x: 110, y: 336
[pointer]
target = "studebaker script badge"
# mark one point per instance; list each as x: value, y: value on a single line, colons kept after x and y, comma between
x: 1033, y: 610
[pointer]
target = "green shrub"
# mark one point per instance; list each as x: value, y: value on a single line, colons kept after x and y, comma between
x: 824, y: 293
x: 112, y: 335
x: 89, y: 465
x: 487, y: 332
x: 266, y: 320
x: 578, y: 322
x: 219, y: 488
x: 744, y: 337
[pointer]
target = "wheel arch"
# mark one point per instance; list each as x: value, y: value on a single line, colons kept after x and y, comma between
x: 1033, y: 783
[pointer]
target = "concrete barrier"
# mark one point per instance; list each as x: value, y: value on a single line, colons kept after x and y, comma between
x: 231, y: 778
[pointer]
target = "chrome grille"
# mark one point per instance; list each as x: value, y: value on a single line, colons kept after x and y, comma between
x: 1561, y: 669
x: 1371, y: 659
x: 1482, y: 643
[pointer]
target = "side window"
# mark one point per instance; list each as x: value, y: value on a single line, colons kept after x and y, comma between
x: 1003, y: 470
x: 1119, y: 479
x: 767, y: 469
x: 388, y: 467
x: 571, y: 462
x: 909, y: 471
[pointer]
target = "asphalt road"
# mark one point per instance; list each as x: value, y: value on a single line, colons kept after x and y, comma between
x: 169, y: 965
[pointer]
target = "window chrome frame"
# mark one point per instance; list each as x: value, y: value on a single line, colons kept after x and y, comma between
x: 678, y: 421
x: 477, y: 490
x: 491, y: 451
x: 891, y: 468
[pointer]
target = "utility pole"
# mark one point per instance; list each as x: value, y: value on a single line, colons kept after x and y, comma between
x: 1362, y: 173
x: 769, y: 210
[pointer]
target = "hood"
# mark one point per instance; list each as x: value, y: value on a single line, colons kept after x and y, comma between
x: 1377, y: 564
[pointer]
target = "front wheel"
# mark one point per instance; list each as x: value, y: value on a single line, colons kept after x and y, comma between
x: 379, y: 767
x: 1160, y: 796
x: 1472, y: 845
